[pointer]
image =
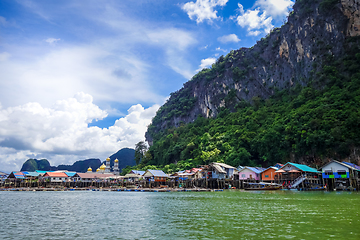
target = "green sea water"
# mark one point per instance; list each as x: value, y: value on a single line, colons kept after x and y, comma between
x: 180, y: 215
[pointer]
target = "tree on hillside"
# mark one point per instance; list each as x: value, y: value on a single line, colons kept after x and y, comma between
x: 140, y: 149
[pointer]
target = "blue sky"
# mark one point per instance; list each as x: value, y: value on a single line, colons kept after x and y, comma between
x: 82, y: 79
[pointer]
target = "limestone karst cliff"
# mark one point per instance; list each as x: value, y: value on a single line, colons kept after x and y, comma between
x: 295, y: 54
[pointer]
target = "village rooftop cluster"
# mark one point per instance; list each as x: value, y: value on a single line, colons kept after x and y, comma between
x: 334, y: 175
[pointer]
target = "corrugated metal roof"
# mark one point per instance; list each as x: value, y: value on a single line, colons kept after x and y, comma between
x: 157, y: 173
x: 32, y: 174
x: 70, y: 174
x: 18, y: 175
x: 3, y: 174
x: 196, y: 169
x: 138, y: 172
x: 55, y: 174
x: 42, y: 172
x: 303, y: 167
x: 275, y: 168
x: 218, y: 168
x: 224, y: 165
x: 255, y: 169
x: 340, y: 163
x: 356, y: 167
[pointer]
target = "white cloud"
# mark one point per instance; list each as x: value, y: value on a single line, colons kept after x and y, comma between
x: 59, y: 73
x: 206, y: 63
x: 259, y: 19
x: 220, y: 49
x: 254, y: 20
x: 175, y: 42
x: 229, y: 38
x: 4, y: 56
x: 36, y: 8
x: 52, y: 40
x: 62, y: 130
x: 203, y: 9
x: 254, y: 33
x: 275, y: 8
x: 114, y: 61
x: 3, y: 21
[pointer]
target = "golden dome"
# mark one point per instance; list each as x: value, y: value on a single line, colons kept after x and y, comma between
x: 116, y: 160
x: 98, y: 169
x: 108, y: 159
x: 102, y: 167
x: 89, y: 169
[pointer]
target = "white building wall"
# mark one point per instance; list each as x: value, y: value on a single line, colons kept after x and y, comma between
x: 334, y: 167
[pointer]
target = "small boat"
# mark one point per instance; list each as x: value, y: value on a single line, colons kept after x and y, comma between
x: 263, y: 186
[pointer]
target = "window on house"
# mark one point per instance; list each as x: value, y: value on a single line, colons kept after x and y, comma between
x: 243, y: 175
x: 341, y: 172
x: 328, y: 172
x: 266, y: 176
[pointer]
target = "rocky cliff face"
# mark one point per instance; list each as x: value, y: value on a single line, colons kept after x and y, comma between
x: 314, y: 34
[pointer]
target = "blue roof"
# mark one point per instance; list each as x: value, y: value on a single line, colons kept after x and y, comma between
x: 275, y: 168
x: 352, y: 165
x: 158, y: 173
x: 70, y: 174
x: 256, y: 169
x: 303, y: 167
x: 18, y: 175
x: 31, y: 174
x: 40, y: 171
x: 138, y: 172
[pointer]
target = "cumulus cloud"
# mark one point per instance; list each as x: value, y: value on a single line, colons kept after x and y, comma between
x: 206, y: 63
x: 52, y: 40
x: 229, y: 38
x: 31, y: 130
x: 203, y: 9
x: 259, y: 19
x: 254, y: 20
x: 275, y: 8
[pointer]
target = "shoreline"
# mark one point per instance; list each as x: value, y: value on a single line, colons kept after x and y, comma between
x: 54, y: 189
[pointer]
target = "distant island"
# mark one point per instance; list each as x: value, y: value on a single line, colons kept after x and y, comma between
x: 126, y: 157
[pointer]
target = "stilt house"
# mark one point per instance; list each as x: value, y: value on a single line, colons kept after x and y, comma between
x: 340, y: 175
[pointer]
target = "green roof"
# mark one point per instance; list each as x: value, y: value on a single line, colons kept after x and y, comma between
x: 303, y: 167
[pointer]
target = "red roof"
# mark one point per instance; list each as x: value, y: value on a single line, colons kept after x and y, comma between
x: 55, y: 174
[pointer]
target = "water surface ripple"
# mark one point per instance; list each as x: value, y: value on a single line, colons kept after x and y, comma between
x: 179, y: 215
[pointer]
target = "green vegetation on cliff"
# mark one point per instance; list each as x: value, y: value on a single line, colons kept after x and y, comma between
x: 307, y: 123
x: 32, y: 164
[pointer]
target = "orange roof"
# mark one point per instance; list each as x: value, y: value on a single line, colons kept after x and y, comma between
x: 55, y: 174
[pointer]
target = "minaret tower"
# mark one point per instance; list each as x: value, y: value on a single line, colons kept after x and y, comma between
x: 116, y: 167
x: 107, y: 169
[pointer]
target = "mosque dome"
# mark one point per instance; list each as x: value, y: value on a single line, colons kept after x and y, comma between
x: 108, y: 159
x: 102, y: 167
x: 97, y: 169
x: 89, y: 169
x: 116, y: 160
